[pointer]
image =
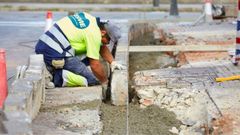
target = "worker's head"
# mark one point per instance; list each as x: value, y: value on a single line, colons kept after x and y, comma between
x: 113, y: 31
x: 110, y: 32
x: 105, y: 37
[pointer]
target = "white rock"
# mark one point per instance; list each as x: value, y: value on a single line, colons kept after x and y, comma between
x: 142, y: 106
x: 173, y: 102
x: 166, y: 100
x: 161, y: 91
x: 189, y: 101
x: 183, y: 127
x: 180, y: 107
x: 160, y: 97
x: 174, y: 130
x: 146, y: 93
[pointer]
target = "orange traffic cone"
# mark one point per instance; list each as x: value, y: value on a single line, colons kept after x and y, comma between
x: 208, y: 10
x: 3, y: 78
x: 49, y: 20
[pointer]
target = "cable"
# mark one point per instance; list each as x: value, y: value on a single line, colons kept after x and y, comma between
x: 24, y: 44
x: 10, y: 77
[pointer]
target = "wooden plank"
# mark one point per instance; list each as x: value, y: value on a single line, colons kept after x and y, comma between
x: 188, y: 48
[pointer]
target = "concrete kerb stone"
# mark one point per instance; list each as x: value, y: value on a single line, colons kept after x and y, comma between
x: 119, y: 82
x: 119, y: 88
x: 37, y: 94
x: 24, y: 98
x: 37, y: 67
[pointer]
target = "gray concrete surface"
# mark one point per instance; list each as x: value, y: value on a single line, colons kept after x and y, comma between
x: 70, y: 111
x: 68, y: 96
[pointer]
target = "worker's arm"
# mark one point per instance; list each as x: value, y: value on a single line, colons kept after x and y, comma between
x: 106, y: 54
x: 98, y: 70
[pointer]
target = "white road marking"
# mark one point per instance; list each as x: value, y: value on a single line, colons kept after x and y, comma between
x: 23, y: 23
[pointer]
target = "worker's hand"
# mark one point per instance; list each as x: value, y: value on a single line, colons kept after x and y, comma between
x: 104, y: 90
x: 115, y: 65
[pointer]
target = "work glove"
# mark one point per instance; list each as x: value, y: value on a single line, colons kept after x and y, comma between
x: 115, y: 65
x: 104, y: 90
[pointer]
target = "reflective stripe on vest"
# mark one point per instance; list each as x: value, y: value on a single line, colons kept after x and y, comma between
x: 63, y: 47
x: 62, y: 40
x: 51, y: 43
x: 64, y: 76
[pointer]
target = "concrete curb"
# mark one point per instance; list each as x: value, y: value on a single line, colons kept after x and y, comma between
x: 25, y: 98
x: 119, y: 82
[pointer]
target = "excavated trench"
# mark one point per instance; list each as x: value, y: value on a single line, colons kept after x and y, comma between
x: 152, y: 119
x: 176, y: 105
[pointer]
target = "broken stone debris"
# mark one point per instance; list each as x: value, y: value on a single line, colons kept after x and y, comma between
x: 189, y: 104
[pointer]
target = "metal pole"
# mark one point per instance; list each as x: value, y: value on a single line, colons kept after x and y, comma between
x: 156, y: 3
x: 174, y: 8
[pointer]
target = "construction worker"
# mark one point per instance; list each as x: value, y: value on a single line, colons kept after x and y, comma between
x: 73, y: 43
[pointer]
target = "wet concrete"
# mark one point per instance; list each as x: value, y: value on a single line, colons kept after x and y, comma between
x: 149, y: 121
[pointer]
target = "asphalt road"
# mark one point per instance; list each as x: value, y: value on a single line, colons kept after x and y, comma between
x: 19, y: 31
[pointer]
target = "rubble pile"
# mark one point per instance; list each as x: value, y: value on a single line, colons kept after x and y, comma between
x: 180, y: 91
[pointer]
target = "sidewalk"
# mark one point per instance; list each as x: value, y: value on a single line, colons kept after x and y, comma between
x: 95, y: 7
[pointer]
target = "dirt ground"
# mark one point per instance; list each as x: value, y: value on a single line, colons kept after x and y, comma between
x: 149, y: 121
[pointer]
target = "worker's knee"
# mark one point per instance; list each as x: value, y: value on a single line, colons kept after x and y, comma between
x: 66, y: 78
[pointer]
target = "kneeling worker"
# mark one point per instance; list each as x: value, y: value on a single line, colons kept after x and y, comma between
x: 73, y: 43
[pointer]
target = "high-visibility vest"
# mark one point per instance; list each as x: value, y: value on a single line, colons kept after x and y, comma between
x: 56, y: 40
x: 72, y: 35
x: 83, y: 33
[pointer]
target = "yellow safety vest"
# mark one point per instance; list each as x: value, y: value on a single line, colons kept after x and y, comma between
x: 83, y: 34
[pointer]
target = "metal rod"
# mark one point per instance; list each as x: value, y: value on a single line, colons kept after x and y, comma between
x: 219, y: 111
x: 174, y: 8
